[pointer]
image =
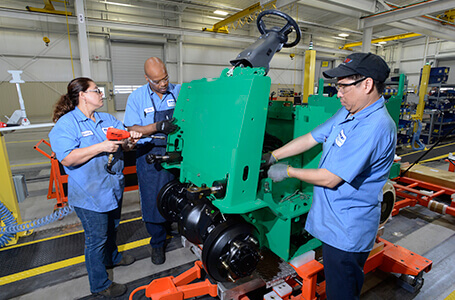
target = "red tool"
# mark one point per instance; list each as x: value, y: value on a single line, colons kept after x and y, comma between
x: 114, y: 134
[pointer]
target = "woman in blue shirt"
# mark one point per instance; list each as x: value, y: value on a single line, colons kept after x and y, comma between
x: 79, y: 142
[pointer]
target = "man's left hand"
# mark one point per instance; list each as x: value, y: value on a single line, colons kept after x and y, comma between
x: 278, y: 172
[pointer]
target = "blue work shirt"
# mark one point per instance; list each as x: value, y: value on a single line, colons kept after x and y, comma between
x: 140, y: 109
x: 360, y: 149
x: 90, y: 186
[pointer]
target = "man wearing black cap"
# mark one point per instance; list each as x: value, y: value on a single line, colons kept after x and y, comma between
x: 358, y: 149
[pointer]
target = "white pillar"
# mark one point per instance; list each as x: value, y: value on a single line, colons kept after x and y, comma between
x: 366, y: 39
x: 82, y: 38
x: 180, y: 54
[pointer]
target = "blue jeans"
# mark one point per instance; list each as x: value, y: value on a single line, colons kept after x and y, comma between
x: 343, y: 273
x: 100, y: 245
x: 158, y: 233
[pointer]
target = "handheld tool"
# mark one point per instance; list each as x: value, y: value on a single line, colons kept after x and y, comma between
x: 115, y: 134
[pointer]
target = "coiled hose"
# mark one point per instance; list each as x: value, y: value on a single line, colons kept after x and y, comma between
x: 7, y: 232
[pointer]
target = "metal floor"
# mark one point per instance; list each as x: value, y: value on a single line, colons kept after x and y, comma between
x: 56, y: 271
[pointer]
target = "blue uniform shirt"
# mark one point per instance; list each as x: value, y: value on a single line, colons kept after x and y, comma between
x: 89, y: 185
x: 359, y: 149
x: 140, y: 109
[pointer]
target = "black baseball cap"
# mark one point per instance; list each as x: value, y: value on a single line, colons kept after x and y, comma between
x: 366, y: 64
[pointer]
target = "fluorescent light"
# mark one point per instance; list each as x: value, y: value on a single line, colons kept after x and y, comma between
x: 382, y: 43
x: 221, y: 12
x: 115, y: 3
x: 215, y: 18
x: 343, y: 34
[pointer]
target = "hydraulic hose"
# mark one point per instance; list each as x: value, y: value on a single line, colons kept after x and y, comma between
x: 7, y: 232
x: 7, y: 218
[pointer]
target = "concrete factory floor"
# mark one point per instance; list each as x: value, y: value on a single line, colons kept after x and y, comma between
x: 418, y: 229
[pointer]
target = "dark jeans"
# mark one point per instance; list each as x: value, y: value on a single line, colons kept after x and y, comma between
x: 100, y: 231
x: 158, y: 233
x: 343, y: 272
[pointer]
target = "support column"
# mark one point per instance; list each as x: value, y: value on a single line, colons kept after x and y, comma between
x: 366, y: 39
x: 308, y: 75
x: 8, y: 194
x: 180, y: 62
x: 82, y: 38
x: 180, y: 58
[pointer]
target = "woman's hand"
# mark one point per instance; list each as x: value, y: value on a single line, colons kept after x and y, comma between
x: 110, y: 146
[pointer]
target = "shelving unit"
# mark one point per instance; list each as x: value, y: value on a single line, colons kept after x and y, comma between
x: 439, y: 114
x: 398, y: 88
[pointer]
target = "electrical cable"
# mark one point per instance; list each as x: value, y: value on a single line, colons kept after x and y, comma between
x: 7, y: 232
x: 428, y: 151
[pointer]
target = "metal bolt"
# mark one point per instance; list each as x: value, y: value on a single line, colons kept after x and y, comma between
x: 253, y: 240
x: 230, y: 278
x: 236, y: 244
x: 225, y: 265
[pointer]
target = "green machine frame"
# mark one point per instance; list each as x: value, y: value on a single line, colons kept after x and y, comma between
x: 222, y: 198
x: 221, y: 139
x: 222, y: 125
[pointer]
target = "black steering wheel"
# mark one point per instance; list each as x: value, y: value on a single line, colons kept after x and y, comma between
x: 285, y: 31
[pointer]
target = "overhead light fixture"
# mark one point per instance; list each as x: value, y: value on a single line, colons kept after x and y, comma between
x: 215, y: 18
x: 343, y: 34
x: 382, y: 43
x: 221, y: 12
x: 115, y: 3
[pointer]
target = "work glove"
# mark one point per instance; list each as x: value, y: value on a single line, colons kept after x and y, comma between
x: 166, y: 126
x: 278, y: 172
x: 267, y: 160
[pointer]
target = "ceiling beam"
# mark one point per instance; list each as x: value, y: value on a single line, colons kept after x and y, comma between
x: 331, y: 7
x: 144, y: 28
x: 408, y: 12
x: 366, y: 6
x: 383, y: 39
x: 427, y: 28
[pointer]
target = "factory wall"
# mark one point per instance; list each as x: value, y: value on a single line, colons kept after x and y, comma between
x: 410, y: 57
x: 48, y: 69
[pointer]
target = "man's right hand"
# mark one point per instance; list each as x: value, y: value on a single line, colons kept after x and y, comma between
x: 166, y: 126
x: 267, y: 160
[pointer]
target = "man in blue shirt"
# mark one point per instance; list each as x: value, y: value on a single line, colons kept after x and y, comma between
x: 358, y: 149
x: 149, y: 111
